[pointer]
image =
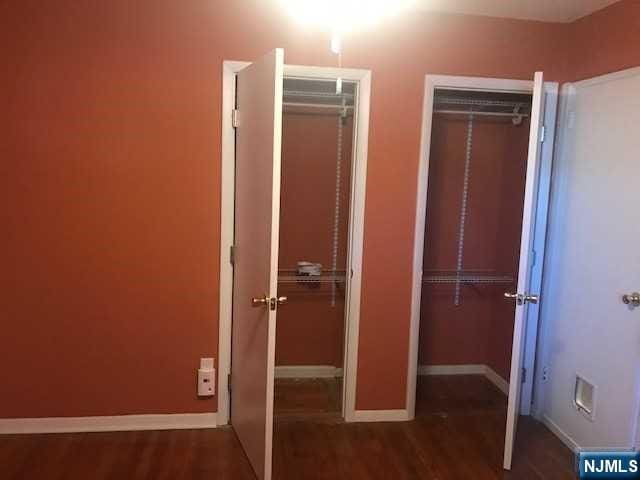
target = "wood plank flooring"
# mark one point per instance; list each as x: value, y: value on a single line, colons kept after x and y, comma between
x: 301, y: 398
x: 458, y: 435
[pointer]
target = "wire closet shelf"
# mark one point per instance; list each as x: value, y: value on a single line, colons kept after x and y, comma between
x: 330, y: 277
x: 470, y: 106
x: 468, y: 277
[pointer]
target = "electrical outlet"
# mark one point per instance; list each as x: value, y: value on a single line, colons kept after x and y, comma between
x: 545, y: 374
x: 206, y: 378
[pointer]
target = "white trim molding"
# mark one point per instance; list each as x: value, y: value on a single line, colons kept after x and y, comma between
x: 356, y: 225
x: 227, y: 189
x: 308, y: 371
x: 474, y: 369
x: 381, y: 416
x: 117, y: 423
x: 471, y: 369
x: 565, y: 438
x: 497, y: 380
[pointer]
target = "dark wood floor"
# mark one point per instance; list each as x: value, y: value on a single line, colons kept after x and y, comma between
x: 458, y: 435
x: 458, y: 395
x: 302, y: 398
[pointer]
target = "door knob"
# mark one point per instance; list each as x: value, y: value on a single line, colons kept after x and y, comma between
x: 632, y: 299
x: 522, y: 299
x: 260, y: 301
x: 514, y: 296
x: 275, y: 301
x: 266, y: 301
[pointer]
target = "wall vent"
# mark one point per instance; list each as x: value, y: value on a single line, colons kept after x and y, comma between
x: 584, y: 397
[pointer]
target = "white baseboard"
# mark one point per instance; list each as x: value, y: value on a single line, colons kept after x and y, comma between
x: 177, y: 421
x: 497, y: 380
x: 472, y: 369
x: 381, y: 416
x: 307, y: 371
x: 561, y: 434
x: 452, y: 369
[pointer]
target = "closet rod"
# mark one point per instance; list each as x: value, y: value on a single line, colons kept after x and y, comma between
x: 485, y: 114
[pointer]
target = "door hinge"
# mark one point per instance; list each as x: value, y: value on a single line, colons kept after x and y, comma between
x: 232, y: 254
x: 235, y: 118
x: 229, y: 382
x: 534, y: 257
x: 543, y: 132
x: 524, y: 375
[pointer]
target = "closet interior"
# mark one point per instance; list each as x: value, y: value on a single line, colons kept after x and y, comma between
x: 477, y: 167
x: 317, y: 145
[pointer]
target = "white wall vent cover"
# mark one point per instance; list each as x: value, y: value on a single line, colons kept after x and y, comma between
x: 584, y: 397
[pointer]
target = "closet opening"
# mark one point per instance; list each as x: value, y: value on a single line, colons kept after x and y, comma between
x: 290, y: 306
x: 475, y: 192
x: 315, y: 206
x: 481, y: 219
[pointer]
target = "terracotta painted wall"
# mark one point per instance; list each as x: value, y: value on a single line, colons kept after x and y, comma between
x: 480, y: 329
x: 109, y: 172
x: 606, y: 41
x: 399, y: 58
x: 594, y: 45
x: 310, y: 330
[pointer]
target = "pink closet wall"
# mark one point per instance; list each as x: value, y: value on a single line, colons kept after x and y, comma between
x: 479, y: 330
x: 310, y: 329
x: 604, y: 42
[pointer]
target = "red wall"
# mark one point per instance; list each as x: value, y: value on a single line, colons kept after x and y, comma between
x: 606, y: 41
x: 310, y: 330
x: 110, y: 180
x: 399, y: 56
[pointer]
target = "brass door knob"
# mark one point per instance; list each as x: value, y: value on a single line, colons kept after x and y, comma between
x: 266, y: 301
x: 275, y: 301
x: 260, y: 301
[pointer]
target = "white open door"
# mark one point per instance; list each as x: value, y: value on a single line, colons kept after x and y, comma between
x: 523, y: 296
x: 257, y: 216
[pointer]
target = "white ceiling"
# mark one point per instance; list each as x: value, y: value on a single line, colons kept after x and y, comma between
x: 544, y: 10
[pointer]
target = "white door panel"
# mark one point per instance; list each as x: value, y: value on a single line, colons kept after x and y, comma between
x: 525, y: 266
x: 257, y: 218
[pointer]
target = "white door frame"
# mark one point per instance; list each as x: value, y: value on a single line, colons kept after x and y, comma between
x: 356, y: 226
x: 485, y: 84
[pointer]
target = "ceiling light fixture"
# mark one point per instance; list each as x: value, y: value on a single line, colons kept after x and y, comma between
x: 342, y: 16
